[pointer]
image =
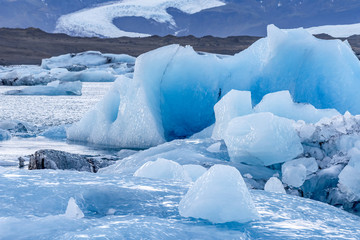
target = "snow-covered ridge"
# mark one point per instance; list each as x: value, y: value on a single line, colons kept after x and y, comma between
x: 337, y: 31
x: 98, y: 21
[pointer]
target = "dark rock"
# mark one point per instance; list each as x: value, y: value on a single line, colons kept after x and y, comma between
x: 21, y: 162
x: 53, y: 159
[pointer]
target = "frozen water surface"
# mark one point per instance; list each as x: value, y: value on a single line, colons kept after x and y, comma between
x: 50, y: 110
x: 33, y: 203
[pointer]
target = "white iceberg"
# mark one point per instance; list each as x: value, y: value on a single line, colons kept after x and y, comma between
x: 274, y: 185
x: 349, y: 178
x: 25, y: 75
x: 233, y: 104
x: 52, y: 89
x: 262, y: 139
x: 73, y: 211
x: 89, y: 75
x: 220, y: 195
x: 294, y: 175
x: 84, y: 60
x: 282, y: 105
x: 309, y: 163
x: 162, y: 169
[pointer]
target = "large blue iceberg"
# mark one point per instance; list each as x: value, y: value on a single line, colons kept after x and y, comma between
x: 174, y: 88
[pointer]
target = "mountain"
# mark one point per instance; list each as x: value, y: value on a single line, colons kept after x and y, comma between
x: 108, y: 18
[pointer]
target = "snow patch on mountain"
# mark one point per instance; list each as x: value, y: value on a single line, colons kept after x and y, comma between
x: 98, y: 21
x: 337, y: 31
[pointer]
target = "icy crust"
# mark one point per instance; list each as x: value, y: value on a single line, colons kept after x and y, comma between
x: 126, y: 207
x: 88, y: 66
x: 177, y: 88
x: 54, y: 88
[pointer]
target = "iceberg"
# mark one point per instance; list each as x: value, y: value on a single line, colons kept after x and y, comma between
x: 281, y: 104
x: 220, y: 195
x: 262, y: 139
x: 349, y: 178
x: 233, y: 104
x: 293, y: 175
x: 309, y: 163
x: 88, y: 66
x: 274, y: 185
x: 84, y: 60
x: 25, y: 75
x: 73, y: 211
x: 162, y: 169
x: 18, y: 128
x: 89, y: 75
x: 177, y: 88
x: 52, y: 89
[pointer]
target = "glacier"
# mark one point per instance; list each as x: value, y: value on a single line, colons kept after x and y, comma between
x: 98, y: 21
x: 177, y: 88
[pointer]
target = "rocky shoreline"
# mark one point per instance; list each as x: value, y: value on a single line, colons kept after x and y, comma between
x: 31, y: 45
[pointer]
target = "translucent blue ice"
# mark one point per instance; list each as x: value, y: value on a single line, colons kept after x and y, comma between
x: 174, y: 88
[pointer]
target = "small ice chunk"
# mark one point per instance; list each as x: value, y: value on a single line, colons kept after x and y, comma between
x: 282, y: 105
x: 294, y: 175
x: 309, y: 163
x: 274, y: 185
x: 234, y: 104
x: 162, y: 169
x: 349, y: 182
x: 220, y: 195
x: 214, y: 148
x: 73, y: 211
x: 111, y: 211
x: 194, y: 171
x: 262, y: 139
x: 349, y: 177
